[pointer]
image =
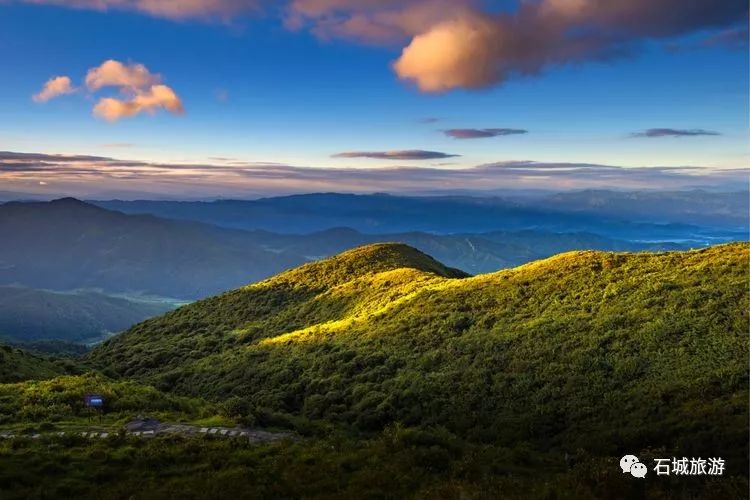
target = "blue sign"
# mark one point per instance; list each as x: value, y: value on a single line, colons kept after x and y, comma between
x: 94, y: 400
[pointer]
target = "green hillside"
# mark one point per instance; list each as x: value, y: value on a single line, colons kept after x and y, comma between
x: 17, y: 365
x: 61, y: 399
x: 600, y: 352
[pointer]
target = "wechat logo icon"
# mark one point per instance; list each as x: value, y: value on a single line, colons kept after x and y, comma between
x: 630, y: 463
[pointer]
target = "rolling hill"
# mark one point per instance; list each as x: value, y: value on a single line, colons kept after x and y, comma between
x: 604, y: 353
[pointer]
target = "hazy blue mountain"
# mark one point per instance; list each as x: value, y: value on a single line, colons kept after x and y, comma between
x: 70, y: 245
x: 67, y: 244
x: 690, y: 207
x: 385, y: 214
x: 29, y: 315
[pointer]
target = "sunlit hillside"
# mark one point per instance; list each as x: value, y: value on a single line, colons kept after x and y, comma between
x: 598, y: 351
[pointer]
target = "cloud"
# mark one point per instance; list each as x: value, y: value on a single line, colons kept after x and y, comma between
x: 179, y: 10
x: 113, y: 73
x: 451, y: 44
x: 671, y: 132
x: 148, y: 101
x: 57, y: 86
x: 482, y: 133
x: 92, y: 175
x: 476, y: 50
x: 458, y: 44
x: 221, y: 95
x: 409, y: 154
x: 141, y: 91
x: 736, y: 38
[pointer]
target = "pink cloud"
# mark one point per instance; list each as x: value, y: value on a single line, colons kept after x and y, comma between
x: 145, y: 101
x: 169, y: 9
x: 113, y: 73
x: 141, y: 91
x: 57, y: 86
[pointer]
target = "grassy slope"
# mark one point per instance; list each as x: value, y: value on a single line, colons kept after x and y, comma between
x: 17, y: 365
x: 61, y: 400
x: 314, y: 293
x: 594, y: 351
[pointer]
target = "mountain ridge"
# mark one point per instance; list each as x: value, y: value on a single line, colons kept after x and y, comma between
x: 579, y: 351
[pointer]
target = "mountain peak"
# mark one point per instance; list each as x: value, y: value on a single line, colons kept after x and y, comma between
x: 69, y: 200
x: 368, y: 259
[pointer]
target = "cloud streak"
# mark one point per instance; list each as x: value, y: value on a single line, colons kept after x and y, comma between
x: 97, y: 176
x: 409, y: 154
x: 482, y: 133
x: 54, y: 87
x: 672, y: 132
x: 177, y: 10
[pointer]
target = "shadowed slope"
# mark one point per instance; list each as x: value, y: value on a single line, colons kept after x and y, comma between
x: 17, y: 365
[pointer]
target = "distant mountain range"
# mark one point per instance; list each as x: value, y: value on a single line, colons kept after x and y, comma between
x: 73, y: 246
x: 67, y: 244
x: 697, y: 207
x: 696, y: 215
x: 70, y: 245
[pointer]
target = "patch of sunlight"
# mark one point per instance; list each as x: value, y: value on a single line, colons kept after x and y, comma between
x: 319, y: 331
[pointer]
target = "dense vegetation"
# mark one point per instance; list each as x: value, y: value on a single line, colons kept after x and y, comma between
x: 594, y: 351
x: 397, y: 463
x: 17, y: 365
x: 28, y: 315
x: 405, y: 378
x: 61, y: 399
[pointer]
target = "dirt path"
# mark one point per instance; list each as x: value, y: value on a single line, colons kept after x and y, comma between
x: 148, y: 428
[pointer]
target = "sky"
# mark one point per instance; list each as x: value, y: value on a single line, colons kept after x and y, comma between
x: 214, y: 97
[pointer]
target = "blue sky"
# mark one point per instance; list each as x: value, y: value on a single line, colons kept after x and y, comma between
x: 256, y: 91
